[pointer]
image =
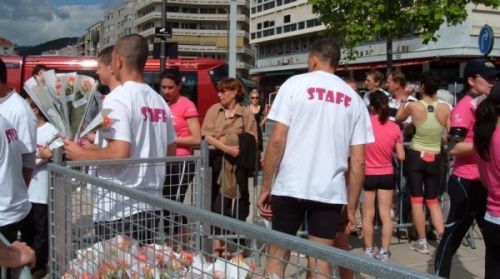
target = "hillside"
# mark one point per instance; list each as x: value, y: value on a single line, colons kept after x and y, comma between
x: 50, y: 45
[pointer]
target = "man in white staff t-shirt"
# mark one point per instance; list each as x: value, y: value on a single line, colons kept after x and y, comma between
x: 320, y: 122
x: 141, y: 128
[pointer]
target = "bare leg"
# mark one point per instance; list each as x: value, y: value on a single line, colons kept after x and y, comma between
x: 277, y: 260
x: 384, y: 207
x: 320, y: 268
x: 417, y: 211
x: 437, y: 218
x: 341, y: 242
x: 367, y: 220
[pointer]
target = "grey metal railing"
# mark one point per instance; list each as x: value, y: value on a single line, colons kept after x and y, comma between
x: 329, y: 254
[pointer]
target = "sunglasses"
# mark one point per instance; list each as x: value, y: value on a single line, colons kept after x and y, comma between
x: 254, y: 98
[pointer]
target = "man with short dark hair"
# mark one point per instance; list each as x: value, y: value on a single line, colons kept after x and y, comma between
x: 141, y: 128
x: 321, y: 122
x: 373, y: 81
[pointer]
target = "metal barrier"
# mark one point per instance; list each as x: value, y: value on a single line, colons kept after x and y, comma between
x: 21, y: 273
x: 158, y: 244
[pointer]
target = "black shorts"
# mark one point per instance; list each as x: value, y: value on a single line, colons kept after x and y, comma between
x: 289, y: 213
x: 382, y: 182
x: 423, y: 177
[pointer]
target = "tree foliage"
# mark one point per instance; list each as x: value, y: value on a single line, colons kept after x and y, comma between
x: 354, y: 22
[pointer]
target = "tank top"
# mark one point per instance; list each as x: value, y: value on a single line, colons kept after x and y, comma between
x: 428, y: 134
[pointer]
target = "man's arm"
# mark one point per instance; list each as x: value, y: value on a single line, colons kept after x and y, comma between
x: 172, y: 149
x: 356, y: 176
x: 272, y: 159
x: 116, y: 149
x: 29, y: 160
x: 404, y: 112
x: 16, y: 255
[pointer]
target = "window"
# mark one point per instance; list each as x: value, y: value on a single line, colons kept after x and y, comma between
x: 259, y: 26
x: 266, y: 24
x: 254, y: 10
x: 279, y: 2
x: 286, y: 19
x: 259, y: 8
x: 302, y: 25
x: 278, y: 30
x: 271, y: 23
x: 253, y: 35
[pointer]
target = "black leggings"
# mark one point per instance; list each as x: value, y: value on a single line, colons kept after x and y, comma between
x: 492, y: 244
x: 424, y: 178
x: 467, y: 202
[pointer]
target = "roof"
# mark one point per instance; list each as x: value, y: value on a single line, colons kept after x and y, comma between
x: 5, y: 42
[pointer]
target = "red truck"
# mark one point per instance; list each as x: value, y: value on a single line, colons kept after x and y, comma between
x: 200, y: 75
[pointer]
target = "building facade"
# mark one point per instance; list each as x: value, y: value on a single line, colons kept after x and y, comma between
x: 282, y: 30
x: 6, y: 47
x: 90, y: 44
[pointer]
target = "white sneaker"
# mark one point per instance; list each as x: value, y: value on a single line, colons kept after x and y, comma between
x: 383, y: 256
x: 369, y: 253
x: 420, y: 246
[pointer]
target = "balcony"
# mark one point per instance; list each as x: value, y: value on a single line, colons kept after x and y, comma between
x: 147, y: 33
x: 208, y: 2
x: 148, y: 3
x: 148, y: 17
x: 204, y: 32
x: 203, y: 17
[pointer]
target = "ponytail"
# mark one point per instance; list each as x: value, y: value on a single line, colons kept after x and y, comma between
x: 487, y: 114
x: 380, y: 103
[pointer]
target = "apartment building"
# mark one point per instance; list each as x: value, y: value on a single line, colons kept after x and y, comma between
x: 118, y: 21
x: 200, y: 27
x: 282, y: 30
x: 91, y: 42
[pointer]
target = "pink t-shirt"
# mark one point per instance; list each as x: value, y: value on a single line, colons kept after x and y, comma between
x: 463, y: 116
x: 491, y: 172
x: 378, y: 155
x: 181, y: 111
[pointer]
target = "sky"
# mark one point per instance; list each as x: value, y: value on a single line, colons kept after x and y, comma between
x: 31, y: 22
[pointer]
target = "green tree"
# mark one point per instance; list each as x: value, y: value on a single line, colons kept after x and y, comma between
x: 354, y: 22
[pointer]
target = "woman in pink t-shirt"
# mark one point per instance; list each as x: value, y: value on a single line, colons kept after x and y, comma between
x: 379, y: 180
x: 187, y: 130
x: 466, y: 192
x: 487, y: 151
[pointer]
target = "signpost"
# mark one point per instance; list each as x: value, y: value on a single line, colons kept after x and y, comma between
x: 486, y: 40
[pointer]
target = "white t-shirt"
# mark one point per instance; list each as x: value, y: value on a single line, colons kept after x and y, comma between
x: 141, y: 117
x: 324, y: 118
x: 14, y: 204
x: 18, y: 112
x: 38, y: 189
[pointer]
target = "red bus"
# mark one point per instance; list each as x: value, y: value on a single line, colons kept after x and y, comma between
x: 199, y: 75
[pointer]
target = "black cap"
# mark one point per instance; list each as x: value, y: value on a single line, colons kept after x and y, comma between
x: 480, y: 66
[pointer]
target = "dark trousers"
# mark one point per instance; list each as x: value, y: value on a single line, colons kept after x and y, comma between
x: 35, y: 232
x: 467, y: 202
x: 142, y: 227
x: 179, y: 175
x: 492, y: 244
x: 10, y: 231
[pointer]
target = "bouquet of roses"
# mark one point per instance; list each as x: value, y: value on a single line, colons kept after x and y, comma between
x: 65, y: 99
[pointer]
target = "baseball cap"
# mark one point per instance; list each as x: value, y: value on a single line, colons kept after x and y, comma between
x: 480, y: 66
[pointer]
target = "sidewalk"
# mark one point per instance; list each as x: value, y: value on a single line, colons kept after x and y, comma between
x: 467, y: 263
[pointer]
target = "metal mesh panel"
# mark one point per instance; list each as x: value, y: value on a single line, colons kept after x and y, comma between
x: 167, y: 238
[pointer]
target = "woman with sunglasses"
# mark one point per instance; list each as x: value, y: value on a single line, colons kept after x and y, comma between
x: 467, y: 193
x: 226, y: 125
x: 259, y: 112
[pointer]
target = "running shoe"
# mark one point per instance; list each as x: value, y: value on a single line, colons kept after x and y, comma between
x: 420, y: 246
x: 383, y: 256
x: 368, y: 253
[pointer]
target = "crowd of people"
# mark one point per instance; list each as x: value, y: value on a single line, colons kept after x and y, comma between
x: 329, y: 147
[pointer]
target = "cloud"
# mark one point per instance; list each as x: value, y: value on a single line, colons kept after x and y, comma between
x: 43, y: 21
